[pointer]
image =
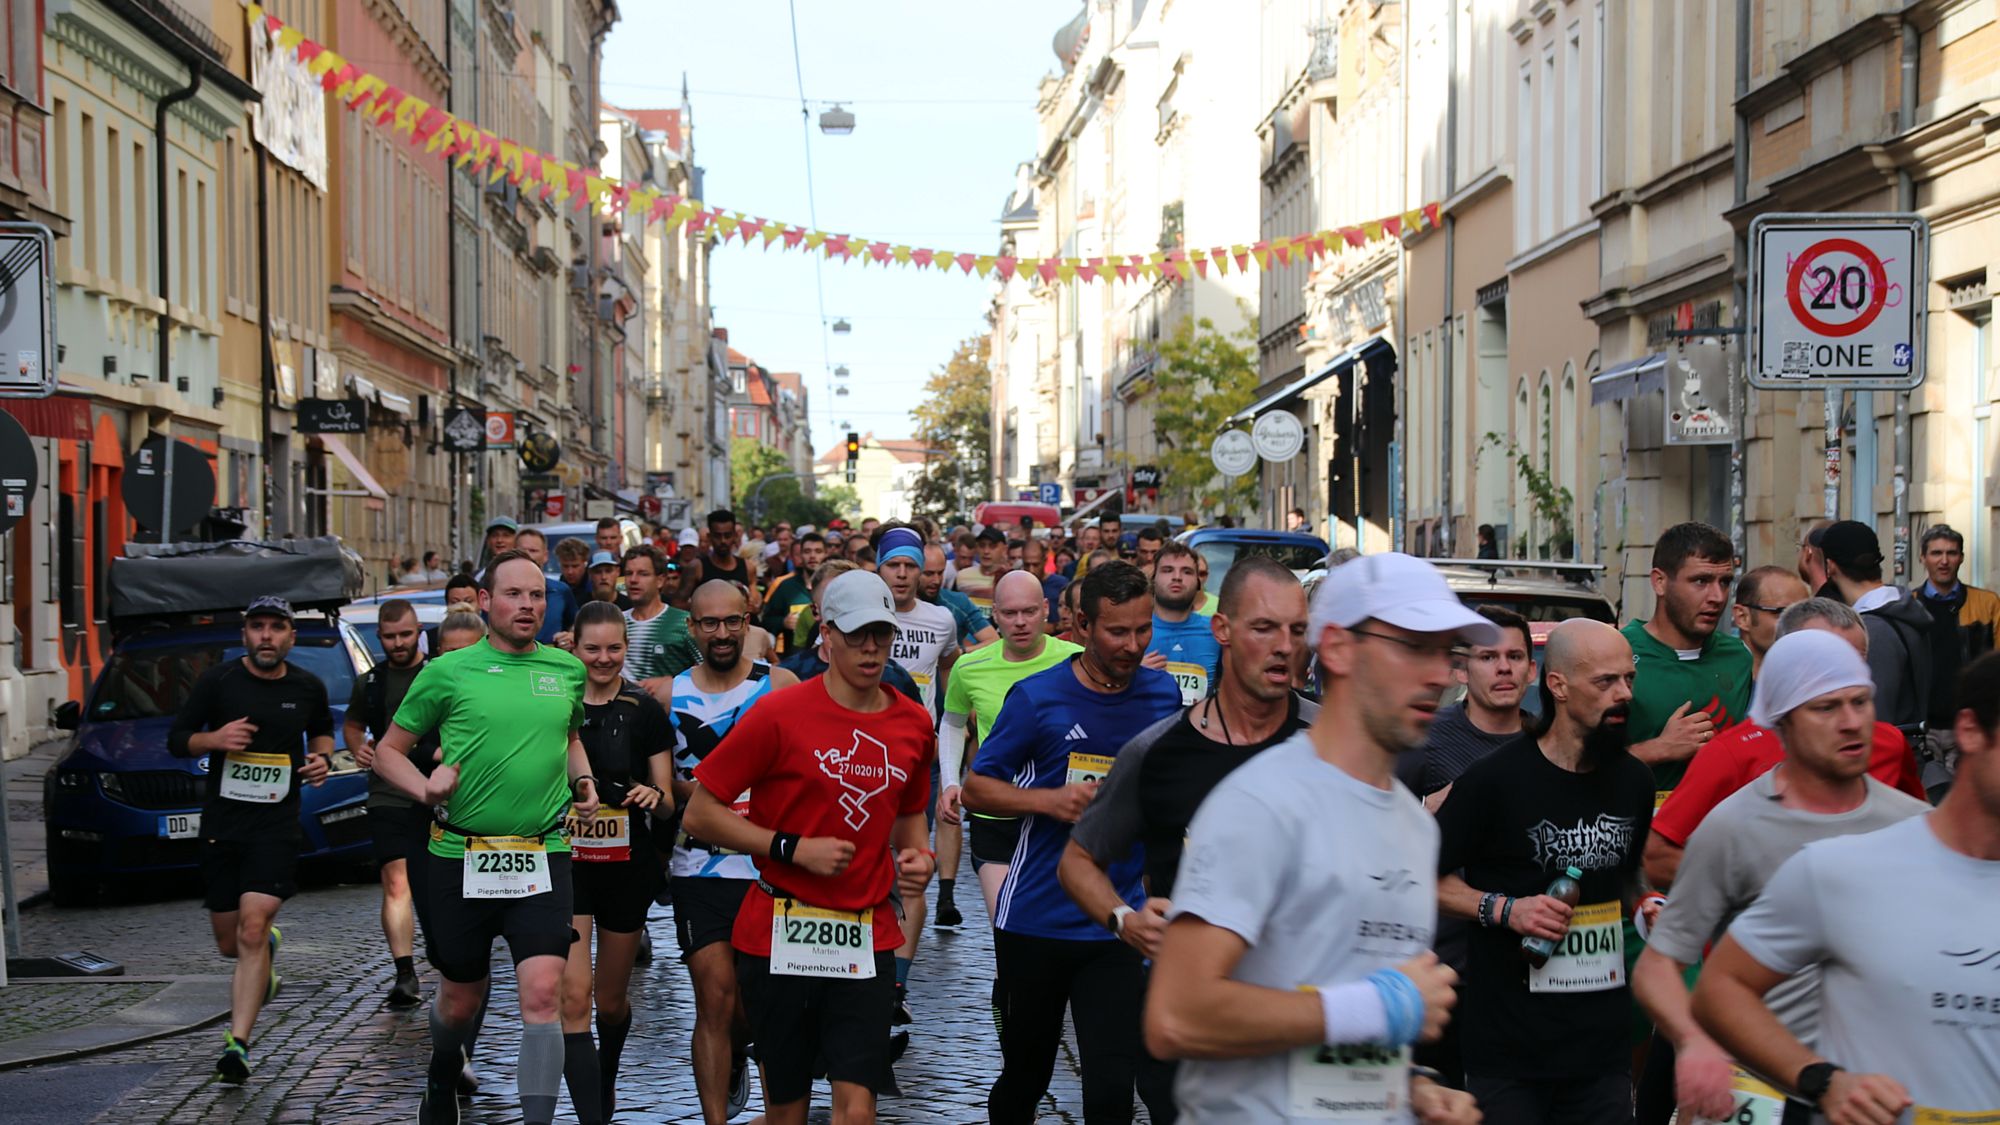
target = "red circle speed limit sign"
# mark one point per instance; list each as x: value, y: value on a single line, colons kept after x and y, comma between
x: 1837, y: 300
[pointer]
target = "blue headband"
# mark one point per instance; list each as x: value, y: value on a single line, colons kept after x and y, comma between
x: 899, y: 543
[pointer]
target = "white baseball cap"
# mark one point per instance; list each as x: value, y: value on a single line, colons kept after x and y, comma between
x: 689, y: 537
x: 1395, y: 588
x: 856, y: 600
x: 771, y: 549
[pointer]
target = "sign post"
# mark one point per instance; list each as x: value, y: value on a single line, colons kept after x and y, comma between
x: 27, y: 311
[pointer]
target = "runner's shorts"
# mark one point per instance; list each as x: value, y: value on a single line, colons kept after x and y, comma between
x: 400, y: 831
x: 992, y: 839
x: 231, y: 869
x: 796, y: 1022
x: 705, y: 910
x: 459, y: 935
x: 617, y: 894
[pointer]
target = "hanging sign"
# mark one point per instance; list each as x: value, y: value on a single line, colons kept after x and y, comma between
x: 464, y: 429
x: 1698, y: 377
x: 1233, y: 452
x: 333, y: 416
x: 1278, y: 435
x: 499, y: 429
x: 27, y: 311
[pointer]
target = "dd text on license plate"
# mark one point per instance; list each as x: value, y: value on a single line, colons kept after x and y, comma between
x: 180, y: 826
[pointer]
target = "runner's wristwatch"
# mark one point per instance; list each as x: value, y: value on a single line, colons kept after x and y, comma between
x: 1116, y: 921
x: 1814, y: 1079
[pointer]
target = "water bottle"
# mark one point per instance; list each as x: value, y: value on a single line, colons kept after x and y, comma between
x: 1567, y: 888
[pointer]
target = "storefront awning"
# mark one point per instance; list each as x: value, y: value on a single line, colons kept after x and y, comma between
x: 1635, y: 376
x: 370, y: 487
x: 1367, y: 349
x: 390, y: 400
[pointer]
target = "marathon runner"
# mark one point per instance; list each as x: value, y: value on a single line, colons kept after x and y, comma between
x: 974, y: 628
x: 507, y: 711
x: 1184, y: 644
x: 264, y: 726
x: 1042, y: 760
x: 460, y: 629
x: 979, y: 685
x: 709, y: 882
x: 615, y: 874
x: 792, y: 593
x: 1815, y: 699
x: 811, y: 661
x: 1296, y: 970
x: 400, y: 827
x: 977, y: 582
x: 1550, y: 1045
x: 658, y: 646
x: 1761, y: 595
x: 837, y: 771
x: 1901, y: 925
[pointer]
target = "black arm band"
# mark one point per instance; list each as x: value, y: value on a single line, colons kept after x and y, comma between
x: 784, y: 845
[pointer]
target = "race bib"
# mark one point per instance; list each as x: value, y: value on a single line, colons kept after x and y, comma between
x: 261, y: 779
x: 1660, y: 798
x: 603, y: 838
x: 505, y: 867
x: 1757, y: 1102
x: 1590, y: 958
x: 1956, y: 1116
x: 1088, y: 767
x: 1349, y: 1082
x: 809, y: 941
x: 1193, y: 679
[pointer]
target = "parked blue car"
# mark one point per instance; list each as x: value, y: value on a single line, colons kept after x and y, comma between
x: 1222, y: 546
x: 119, y: 807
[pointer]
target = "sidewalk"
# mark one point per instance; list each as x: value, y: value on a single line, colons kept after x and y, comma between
x: 55, y: 1018
x: 25, y: 841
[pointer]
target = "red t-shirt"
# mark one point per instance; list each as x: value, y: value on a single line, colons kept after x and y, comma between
x: 818, y: 769
x: 1743, y: 753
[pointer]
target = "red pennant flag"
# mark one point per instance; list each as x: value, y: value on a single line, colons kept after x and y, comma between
x: 574, y: 177
x: 428, y: 125
x: 1316, y: 247
x: 662, y: 207
x: 1353, y: 236
x: 338, y: 76
x: 1242, y: 260
x: 1431, y: 213
x: 792, y: 237
x: 308, y: 50
x: 386, y: 103
x: 1283, y: 247
x: 1004, y: 266
x: 879, y: 251
x: 922, y: 257
x: 531, y: 166
x: 751, y: 228
x: 965, y: 261
x: 1201, y: 266
x: 1393, y: 224
x: 1125, y: 273
x: 1047, y: 269
x: 837, y: 244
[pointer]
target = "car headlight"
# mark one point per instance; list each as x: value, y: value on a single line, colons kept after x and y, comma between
x: 73, y: 781
x: 113, y: 787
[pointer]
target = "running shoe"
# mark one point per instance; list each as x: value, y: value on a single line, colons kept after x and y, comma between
x: 645, y: 954
x: 739, y: 1086
x: 468, y: 1080
x: 276, y: 982
x: 439, y: 1107
x: 234, y: 1065
x: 948, y: 917
x: 406, y: 993
x: 902, y: 1017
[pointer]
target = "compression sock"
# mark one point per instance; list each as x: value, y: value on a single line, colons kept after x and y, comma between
x: 944, y: 890
x: 903, y: 972
x: 580, y: 1075
x: 449, y: 1042
x: 406, y: 967
x: 610, y: 1048
x: 478, y: 1024
x: 540, y: 1071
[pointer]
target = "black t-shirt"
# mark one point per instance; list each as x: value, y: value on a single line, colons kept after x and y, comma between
x: 737, y: 571
x: 1513, y: 822
x: 1453, y: 744
x: 377, y: 694
x: 1160, y: 779
x: 621, y: 737
x: 286, y: 711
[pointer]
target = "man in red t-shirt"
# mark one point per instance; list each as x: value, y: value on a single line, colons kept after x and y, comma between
x: 1745, y: 752
x: 838, y: 770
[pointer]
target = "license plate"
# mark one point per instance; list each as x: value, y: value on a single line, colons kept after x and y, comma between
x: 180, y: 826
x: 350, y: 813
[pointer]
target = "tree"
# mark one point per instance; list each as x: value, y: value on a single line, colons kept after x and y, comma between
x: 1552, y: 505
x: 783, y: 498
x: 955, y: 417
x: 1203, y: 377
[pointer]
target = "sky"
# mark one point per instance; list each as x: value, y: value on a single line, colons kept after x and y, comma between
x: 944, y: 101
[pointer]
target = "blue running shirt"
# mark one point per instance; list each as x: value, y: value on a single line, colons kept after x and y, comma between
x: 700, y: 721
x: 1191, y: 652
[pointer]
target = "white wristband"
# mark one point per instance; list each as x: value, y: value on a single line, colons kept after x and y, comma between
x: 1353, y: 1013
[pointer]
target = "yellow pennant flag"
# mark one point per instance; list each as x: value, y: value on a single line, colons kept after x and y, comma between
x: 289, y: 38
x: 726, y: 225
x: 983, y: 264
x: 445, y: 132
x: 1372, y: 229
x: 901, y: 254
x: 772, y: 232
x: 1107, y: 270
x: 1027, y: 267
x: 640, y: 202
x: 596, y: 189
x: 554, y: 179
x: 1263, y: 256
x: 408, y: 113
x: 680, y: 214
x: 325, y: 63
x: 1220, y: 262
x: 815, y: 239
x: 255, y: 12
x: 1413, y: 220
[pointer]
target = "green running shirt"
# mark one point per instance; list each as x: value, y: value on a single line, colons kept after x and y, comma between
x: 505, y: 721
x: 1718, y: 682
x: 981, y: 679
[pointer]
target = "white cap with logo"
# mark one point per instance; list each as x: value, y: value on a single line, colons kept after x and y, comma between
x: 856, y: 600
x: 1395, y: 588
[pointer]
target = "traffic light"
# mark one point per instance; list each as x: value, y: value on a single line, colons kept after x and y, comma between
x: 853, y: 453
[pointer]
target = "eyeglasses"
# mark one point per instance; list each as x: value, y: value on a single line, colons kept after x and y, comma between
x: 730, y: 623
x: 1773, y: 610
x: 1423, y: 650
x: 879, y: 635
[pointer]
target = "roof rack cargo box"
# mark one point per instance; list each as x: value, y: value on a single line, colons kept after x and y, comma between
x: 207, y: 578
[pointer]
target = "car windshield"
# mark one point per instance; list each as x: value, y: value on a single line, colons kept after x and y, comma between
x: 154, y: 681
x: 1548, y: 608
x: 1291, y: 556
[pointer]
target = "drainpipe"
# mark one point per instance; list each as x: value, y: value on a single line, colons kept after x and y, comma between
x: 1906, y: 200
x: 1738, y: 394
x: 267, y: 364
x: 160, y: 111
x: 1445, y: 349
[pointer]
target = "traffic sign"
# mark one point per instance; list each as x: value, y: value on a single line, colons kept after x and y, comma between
x: 1233, y: 452
x: 1838, y: 301
x: 1051, y: 492
x: 27, y: 311
x: 20, y: 470
x: 1278, y: 435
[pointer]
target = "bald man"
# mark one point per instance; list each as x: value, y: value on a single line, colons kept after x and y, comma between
x: 1550, y: 1044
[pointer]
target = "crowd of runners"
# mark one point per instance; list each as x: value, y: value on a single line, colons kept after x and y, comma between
x: 1358, y: 853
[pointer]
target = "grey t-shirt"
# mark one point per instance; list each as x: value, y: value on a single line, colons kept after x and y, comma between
x: 1906, y: 933
x: 1737, y: 848
x: 1326, y: 878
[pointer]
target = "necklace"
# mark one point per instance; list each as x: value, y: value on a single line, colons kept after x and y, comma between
x: 1106, y: 684
x: 1215, y: 709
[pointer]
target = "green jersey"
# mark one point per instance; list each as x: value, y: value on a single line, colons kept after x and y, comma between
x: 661, y: 645
x: 505, y: 720
x: 981, y: 679
x: 1717, y: 681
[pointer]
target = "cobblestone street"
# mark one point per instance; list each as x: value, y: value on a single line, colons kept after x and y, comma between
x: 326, y: 1049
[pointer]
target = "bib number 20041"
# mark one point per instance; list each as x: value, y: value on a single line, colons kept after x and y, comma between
x: 505, y: 867
x: 811, y: 941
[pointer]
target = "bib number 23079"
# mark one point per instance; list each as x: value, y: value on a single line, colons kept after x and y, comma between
x: 809, y: 941
x: 261, y: 779
x: 505, y: 867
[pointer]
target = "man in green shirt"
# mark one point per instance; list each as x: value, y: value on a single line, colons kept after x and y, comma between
x: 507, y: 711
x: 1693, y: 680
x: 658, y: 644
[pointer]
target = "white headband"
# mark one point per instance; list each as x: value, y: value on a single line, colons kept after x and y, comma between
x: 1801, y: 667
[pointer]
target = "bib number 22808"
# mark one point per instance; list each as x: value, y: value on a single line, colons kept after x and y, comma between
x: 810, y: 941
x: 505, y: 867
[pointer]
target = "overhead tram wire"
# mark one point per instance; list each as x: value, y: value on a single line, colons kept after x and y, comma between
x: 812, y: 206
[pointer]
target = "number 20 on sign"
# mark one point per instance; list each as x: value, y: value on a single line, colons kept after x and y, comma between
x: 1838, y: 301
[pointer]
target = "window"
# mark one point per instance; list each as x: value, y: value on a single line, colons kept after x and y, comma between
x: 202, y: 248
x: 113, y: 264
x: 1524, y: 110
x: 232, y: 281
x: 64, y: 143
x: 1597, y: 104
x: 1572, y: 181
x: 141, y: 204
x: 746, y: 423
x: 1545, y: 149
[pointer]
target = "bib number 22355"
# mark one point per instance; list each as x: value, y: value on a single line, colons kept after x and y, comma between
x: 810, y: 941
x: 505, y: 867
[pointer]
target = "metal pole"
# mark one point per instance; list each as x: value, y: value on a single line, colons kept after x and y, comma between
x: 1833, y: 454
x: 1906, y: 200
x: 1738, y: 383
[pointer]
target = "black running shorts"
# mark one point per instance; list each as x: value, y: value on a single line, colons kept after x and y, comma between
x: 705, y: 910
x: 399, y: 831
x: 231, y: 869
x: 798, y: 1022
x: 617, y: 894
x: 991, y: 840
x: 459, y: 935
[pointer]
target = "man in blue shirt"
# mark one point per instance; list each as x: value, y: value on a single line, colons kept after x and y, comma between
x: 1042, y: 761
x: 561, y: 614
x: 974, y: 628
x: 1184, y: 644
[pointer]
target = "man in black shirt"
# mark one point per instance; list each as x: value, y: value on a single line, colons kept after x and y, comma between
x: 1550, y: 1045
x: 721, y: 561
x: 398, y: 824
x: 1489, y: 717
x: 264, y: 726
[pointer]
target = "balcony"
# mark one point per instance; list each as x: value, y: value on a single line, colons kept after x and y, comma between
x: 1323, y: 65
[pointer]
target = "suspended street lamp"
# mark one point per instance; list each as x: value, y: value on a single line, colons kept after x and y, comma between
x: 840, y: 372
x: 841, y: 327
x: 836, y: 122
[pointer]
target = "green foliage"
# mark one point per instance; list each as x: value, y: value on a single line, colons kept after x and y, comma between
x: 1551, y: 503
x: 956, y: 416
x: 1204, y: 375
x: 842, y: 499
x: 751, y: 462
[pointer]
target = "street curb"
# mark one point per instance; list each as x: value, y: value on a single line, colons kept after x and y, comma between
x: 33, y: 900
x: 185, y: 1004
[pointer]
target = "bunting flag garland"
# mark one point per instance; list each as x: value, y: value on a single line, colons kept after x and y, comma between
x: 480, y: 153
